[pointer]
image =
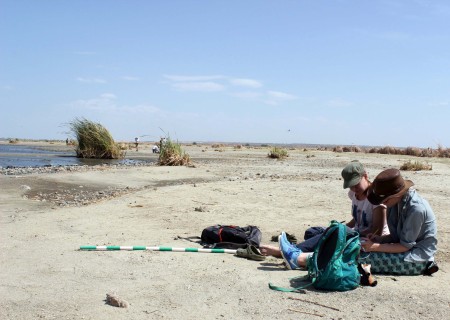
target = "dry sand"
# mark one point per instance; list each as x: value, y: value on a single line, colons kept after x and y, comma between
x: 44, y: 276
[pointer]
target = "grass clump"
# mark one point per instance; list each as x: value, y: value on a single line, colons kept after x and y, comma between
x: 278, y: 153
x: 94, y: 140
x: 171, y: 154
x: 415, y: 166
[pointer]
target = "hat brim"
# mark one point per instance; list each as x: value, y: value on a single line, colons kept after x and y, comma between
x: 376, y: 199
x: 352, y: 182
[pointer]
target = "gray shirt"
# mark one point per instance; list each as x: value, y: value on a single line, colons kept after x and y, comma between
x: 412, y: 223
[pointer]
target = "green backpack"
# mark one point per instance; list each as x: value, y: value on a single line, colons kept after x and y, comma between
x: 333, y: 266
x: 334, y: 263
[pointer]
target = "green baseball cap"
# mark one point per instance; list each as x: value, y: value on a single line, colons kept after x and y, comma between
x: 352, y: 173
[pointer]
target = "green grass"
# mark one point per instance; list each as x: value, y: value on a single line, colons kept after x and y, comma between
x: 94, y: 140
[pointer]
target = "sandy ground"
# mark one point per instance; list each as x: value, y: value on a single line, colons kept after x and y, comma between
x: 45, y: 276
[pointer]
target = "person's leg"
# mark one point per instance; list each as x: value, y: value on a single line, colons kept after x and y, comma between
x: 308, y: 245
x: 268, y: 250
x: 292, y: 255
x: 392, y: 263
x: 313, y: 231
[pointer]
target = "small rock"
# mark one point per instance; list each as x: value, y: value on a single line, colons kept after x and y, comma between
x: 113, y: 300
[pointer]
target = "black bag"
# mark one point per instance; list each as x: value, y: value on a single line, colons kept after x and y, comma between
x: 230, y: 237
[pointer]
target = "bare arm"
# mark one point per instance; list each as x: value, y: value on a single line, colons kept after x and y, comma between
x: 378, y: 220
x: 370, y: 246
x: 351, y: 223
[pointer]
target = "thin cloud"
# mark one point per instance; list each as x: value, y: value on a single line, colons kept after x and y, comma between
x: 198, y: 86
x: 250, y: 83
x: 106, y: 102
x: 216, y: 83
x: 440, y: 104
x: 91, y: 80
x: 195, y: 83
x: 281, y: 95
x: 275, y: 98
x: 7, y: 88
x: 179, y: 78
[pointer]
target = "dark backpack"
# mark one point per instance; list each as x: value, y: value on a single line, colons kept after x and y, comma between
x: 230, y: 237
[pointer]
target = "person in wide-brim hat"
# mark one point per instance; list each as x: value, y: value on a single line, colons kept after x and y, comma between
x: 387, y: 185
x: 410, y: 247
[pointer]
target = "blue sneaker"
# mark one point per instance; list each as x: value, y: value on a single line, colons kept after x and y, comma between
x: 289, y: 252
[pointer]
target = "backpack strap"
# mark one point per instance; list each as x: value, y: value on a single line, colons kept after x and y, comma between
x: 297, y: 289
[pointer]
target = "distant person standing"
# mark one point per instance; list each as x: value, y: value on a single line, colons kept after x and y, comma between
x: 136, y: 141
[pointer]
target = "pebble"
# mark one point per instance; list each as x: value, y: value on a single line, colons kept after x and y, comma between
x: 14, y: 171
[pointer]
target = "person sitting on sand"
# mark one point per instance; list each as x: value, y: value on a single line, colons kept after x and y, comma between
x: 366, y: 217
x: 410, y: 247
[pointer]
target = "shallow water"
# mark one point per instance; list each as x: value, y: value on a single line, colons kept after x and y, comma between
x: 31, y: 156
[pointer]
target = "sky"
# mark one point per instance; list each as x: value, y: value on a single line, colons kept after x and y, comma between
x: 344, y: 72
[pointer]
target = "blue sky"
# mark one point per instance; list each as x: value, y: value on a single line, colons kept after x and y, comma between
x: 321, y: 72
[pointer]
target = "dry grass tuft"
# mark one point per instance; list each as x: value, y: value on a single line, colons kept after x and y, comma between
x: 413, y: 151
x: 278, y: 153
x: 415, y: 166
x: 94, y: 140
x: 388, y: 150
x: 440, y: 152
x: 171, y: 154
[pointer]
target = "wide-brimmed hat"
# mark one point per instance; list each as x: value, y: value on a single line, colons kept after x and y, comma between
x: 388, y: 183
x: 352, y: 173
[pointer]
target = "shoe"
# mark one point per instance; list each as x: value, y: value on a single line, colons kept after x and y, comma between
x: 432, y: 267
x: 250, y: 252
x: 290, y: 236
x: 285, y: 240
x: 289, y: 252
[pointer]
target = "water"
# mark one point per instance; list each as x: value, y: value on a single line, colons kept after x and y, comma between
x: 33, y: 156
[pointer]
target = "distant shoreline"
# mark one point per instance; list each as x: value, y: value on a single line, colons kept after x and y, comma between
x: 225, y: 143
